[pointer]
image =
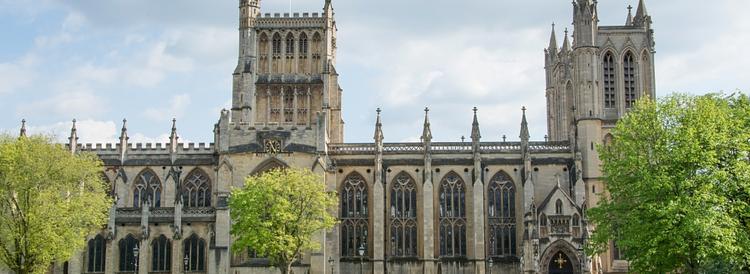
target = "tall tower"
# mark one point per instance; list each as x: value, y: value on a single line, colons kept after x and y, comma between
x: 244, y: 74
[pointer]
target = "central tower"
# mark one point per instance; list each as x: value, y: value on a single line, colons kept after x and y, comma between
x: 285, y: 78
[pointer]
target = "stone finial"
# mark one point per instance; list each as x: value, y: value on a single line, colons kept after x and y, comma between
x: 566, y: 43
x: 173, y: 136
x: 378, y: 128
x: 426, y: 132
x: 641, y: 12
x: 553, y: 41
x: 22, y: 133
x: 475, y: 133
x: 73, y: 139
x: 524, y: 126
x: 124, y: 131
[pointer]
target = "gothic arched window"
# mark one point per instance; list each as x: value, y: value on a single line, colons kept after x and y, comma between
x: 289, y: 44
x: 354, y: 215
x: 147, y: 188
x: 195, y: 252
x: 127, y: 248
x: 452, y: 196
x: 303, y: 47
x: 501, y: 218
x: 558, y: 207
x: 196, y: 189
x: 161, y: 254
x: 608, y: 67
x: 646, y: 73
x: 276, y: 44
x: 628, y: 66
x: 97, y: 254
x: 403, y: 215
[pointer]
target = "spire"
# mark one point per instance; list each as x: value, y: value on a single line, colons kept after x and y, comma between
x: 524, y: 127
x: 552, y: 42
x: 23, y: 128
x: 426, y: 133
x: 641, y: 12
x: 124, y: 132
x: 378, y: 128
x: 566, y: 43
x: 475, y: 134
x: 73, y: 139
x: 629, y: 21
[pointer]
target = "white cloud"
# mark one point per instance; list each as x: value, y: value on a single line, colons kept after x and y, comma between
x: 88, y: 131
x: 177, y: 107
x: 17, y: 75
x: 81, y: 103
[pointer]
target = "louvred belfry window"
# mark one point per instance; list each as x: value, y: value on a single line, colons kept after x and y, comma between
x: 610, y: 94
x: 628, y: 66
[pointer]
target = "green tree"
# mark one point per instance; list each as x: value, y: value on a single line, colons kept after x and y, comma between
x: 678, y: 186
x: 278, y: 213
x: 50, y: 200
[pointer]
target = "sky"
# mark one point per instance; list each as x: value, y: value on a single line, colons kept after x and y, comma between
x: 149, y: 61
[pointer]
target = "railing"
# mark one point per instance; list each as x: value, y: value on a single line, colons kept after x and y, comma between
x: 133, y: 214
x: 454, y: 147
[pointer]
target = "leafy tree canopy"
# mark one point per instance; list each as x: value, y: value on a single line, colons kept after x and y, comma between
x: 50, y: 200
x: 278, y: 214
x: 678, y: 183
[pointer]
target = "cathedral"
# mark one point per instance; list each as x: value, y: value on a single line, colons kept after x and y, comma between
x: 485, y: 206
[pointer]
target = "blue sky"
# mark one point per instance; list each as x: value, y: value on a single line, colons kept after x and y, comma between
x: 149, y: 61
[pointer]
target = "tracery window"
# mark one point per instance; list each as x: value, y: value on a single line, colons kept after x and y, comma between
x: 354, y: 215
x: 97, y: 254
x: 289, y: 105
x: 161, y: 254
x: 609, y: 81
x: 403, y: 214
x: 196, y: 190
x: 276, y: 44
x: 628, y: 66
x: 195, y: 252
x: 289, y: 45
x: 127, y: 248
x: 303, y: 46
x: 452, y: 197
x: 501, y: 218
x: 558, y: 207
x: 147, y: 189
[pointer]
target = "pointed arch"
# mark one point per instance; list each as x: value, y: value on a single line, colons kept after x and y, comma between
x: 403, y: 216
x: 576, y: 225
x: 552, y: 252
x: 647, y: 72
x: 609, y: 80
x: 608, y: 139
x: 194, y: 249
x: 452, y: 216
x: 501, y: 217
x: 269, y: 164
x: 96, y: 254
x: 263, y: 52
x: 629, y: 80
x: 147, y: 188
x: 196, y: 189
x: 276, y: 44
x: 559, y: 207
x: 126, y: 247
x: 543, y: 229
x: 355, y: 216
x: 289, y: 44
x: 161, y: 254
x: 303, y: 45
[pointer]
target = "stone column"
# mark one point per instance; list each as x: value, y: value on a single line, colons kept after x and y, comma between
x: 268, y: 106
x: 309, y: 108
x: 295, y: 107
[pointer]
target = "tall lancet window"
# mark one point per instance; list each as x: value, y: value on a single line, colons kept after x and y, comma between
x: 608, y: 67
x: 195, y: 252
x: 196, y: 189
x: 354, y: 215
x: 501, y: 216
x: 161, y: 254
x: 97, y: 254
x: 628, y: 66
x: 276, y: 44
x: 289, y: 45
x: 147, y: 189
x: 127, y: 247
x: 452, y: 197
x: 303, y: 46
x: 403, y: 214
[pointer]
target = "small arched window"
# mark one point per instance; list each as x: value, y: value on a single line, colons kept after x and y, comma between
x: 303, y: 46
x: 403, y: 215
x: 196, y: 190
x: 501, y: 220
x: 161, y: 254
x: 195, y: 252
x: 558, y: 207
x: 354, y: 215
x: 452, y: 198
x: 97, y: 254
x: 127, y: 248
x: 147, y: 189
x: 289, y: 44
x: 628, y: 66
x: 608, y: 67
x: 276, y: 44
x: 543, y: 219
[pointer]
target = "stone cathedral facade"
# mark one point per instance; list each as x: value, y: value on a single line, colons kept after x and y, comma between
x: 485, y: 206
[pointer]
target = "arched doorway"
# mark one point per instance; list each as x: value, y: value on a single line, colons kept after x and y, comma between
x: 560, y: 264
